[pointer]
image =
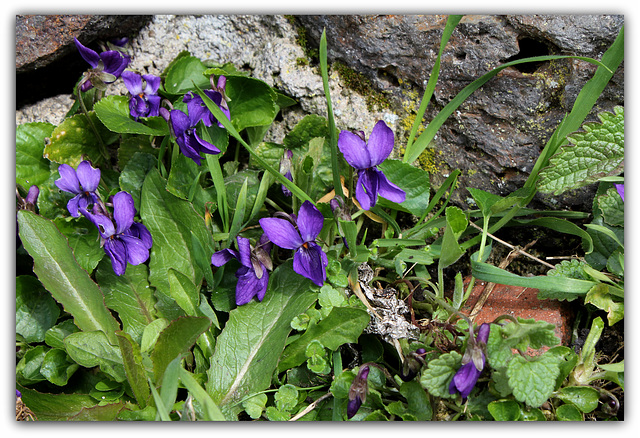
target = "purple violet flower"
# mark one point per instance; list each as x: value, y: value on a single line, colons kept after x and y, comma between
x: 358, y: 391
x: 198, y: 109
x: 106, y: 66
x: 32, y: 195
x: 127, y: 241
x: 253, y: 275
x: 472, y: 363
x: 184, y: 129
x: 308, y: 260
x: 365, y: 157
x: 82, y: 182
x: 144, y: 101
x: 29, y: 201
x: 620, y: 189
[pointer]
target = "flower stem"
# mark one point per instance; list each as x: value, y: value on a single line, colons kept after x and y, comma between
x: 101, y: 145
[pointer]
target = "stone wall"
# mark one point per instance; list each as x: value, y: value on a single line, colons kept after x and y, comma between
x: 495, y: 136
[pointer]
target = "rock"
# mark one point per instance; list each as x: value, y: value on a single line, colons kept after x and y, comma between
x: 494, y: 137
x: 497, y: 134
x: 46, y: 54
x: 521, y: 302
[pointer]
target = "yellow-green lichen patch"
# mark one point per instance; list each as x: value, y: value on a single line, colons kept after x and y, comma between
x: 362, y: 85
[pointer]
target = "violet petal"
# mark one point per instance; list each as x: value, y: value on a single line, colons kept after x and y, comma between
x: 68, y: 180
x: 310, y: 221
x: 310, y: 262
x: 88, y: 177
x: 281, y: 232
x: 123, y: 211
x: 354, y: 149
x: 380, y: 143
x: 389, y: 190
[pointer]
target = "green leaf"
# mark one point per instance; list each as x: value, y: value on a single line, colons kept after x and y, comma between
x: 317, y: 358
x: 603, y: 245
x: 57, y: 367
x: 248, y: 349
x: 183, y: 175
x: 61, y: 275
x: 504, y: 410
x: 31, y: 167
x: 54, y: 407
x: 274, y: 414
x: 169, y: 387
x: 254, y: 406
x: 114, y: 113
x: 84, y: 240
x: 133, y: 174
x: 176, y: 339
x: 151, y: 333
x: 533, y: 380
x: 601, y: 298
x: 54, y: 337
x: 134, y: 368
x: 36, y: 311
x: 451, y: 251
x: 183, y: 72
x: 108, y: 412
x: 211, y: 411
x: 91, y: 349
x: 484, y: 200
x: 286, y: 398
x: 567, y: 360
x: 417, y: 400
x: 173, y: 223
x: 414, y: 181
x: 74, y: 138
x: 555, y: 284
x: 184, y: 292
x: 28, y: 369
x: 251, y: 102
x: 129, y: 295
x: 239, y: 214
x: 568, y: 412
x: 342, y: 325
x: 132, y: 145
x: 612, y: 207
x: 438, y: 375
x: 584, y: 398
x: 596, y: 152
x: 311, y: 126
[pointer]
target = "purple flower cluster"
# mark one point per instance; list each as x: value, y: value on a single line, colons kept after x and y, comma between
x: 365, y: 157
x: 253, y: 275
x: 297, y: 233
x: 106, y: 66
x: 473, y: 363
x: 144, y: 100
x: 124, y: 242
x: 184, y: 125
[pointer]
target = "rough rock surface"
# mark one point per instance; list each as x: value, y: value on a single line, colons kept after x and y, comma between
x: 497, y: 134
x: 46, y: 54
x: 494, y: 138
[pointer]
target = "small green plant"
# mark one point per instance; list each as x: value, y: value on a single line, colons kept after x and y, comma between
x: 175, y: 266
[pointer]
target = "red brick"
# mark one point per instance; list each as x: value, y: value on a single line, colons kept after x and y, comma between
x: 521, y: 302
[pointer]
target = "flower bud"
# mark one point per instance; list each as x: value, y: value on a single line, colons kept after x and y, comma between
x: 358, y: 391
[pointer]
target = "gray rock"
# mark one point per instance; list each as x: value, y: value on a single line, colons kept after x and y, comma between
x: 495, y: 136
